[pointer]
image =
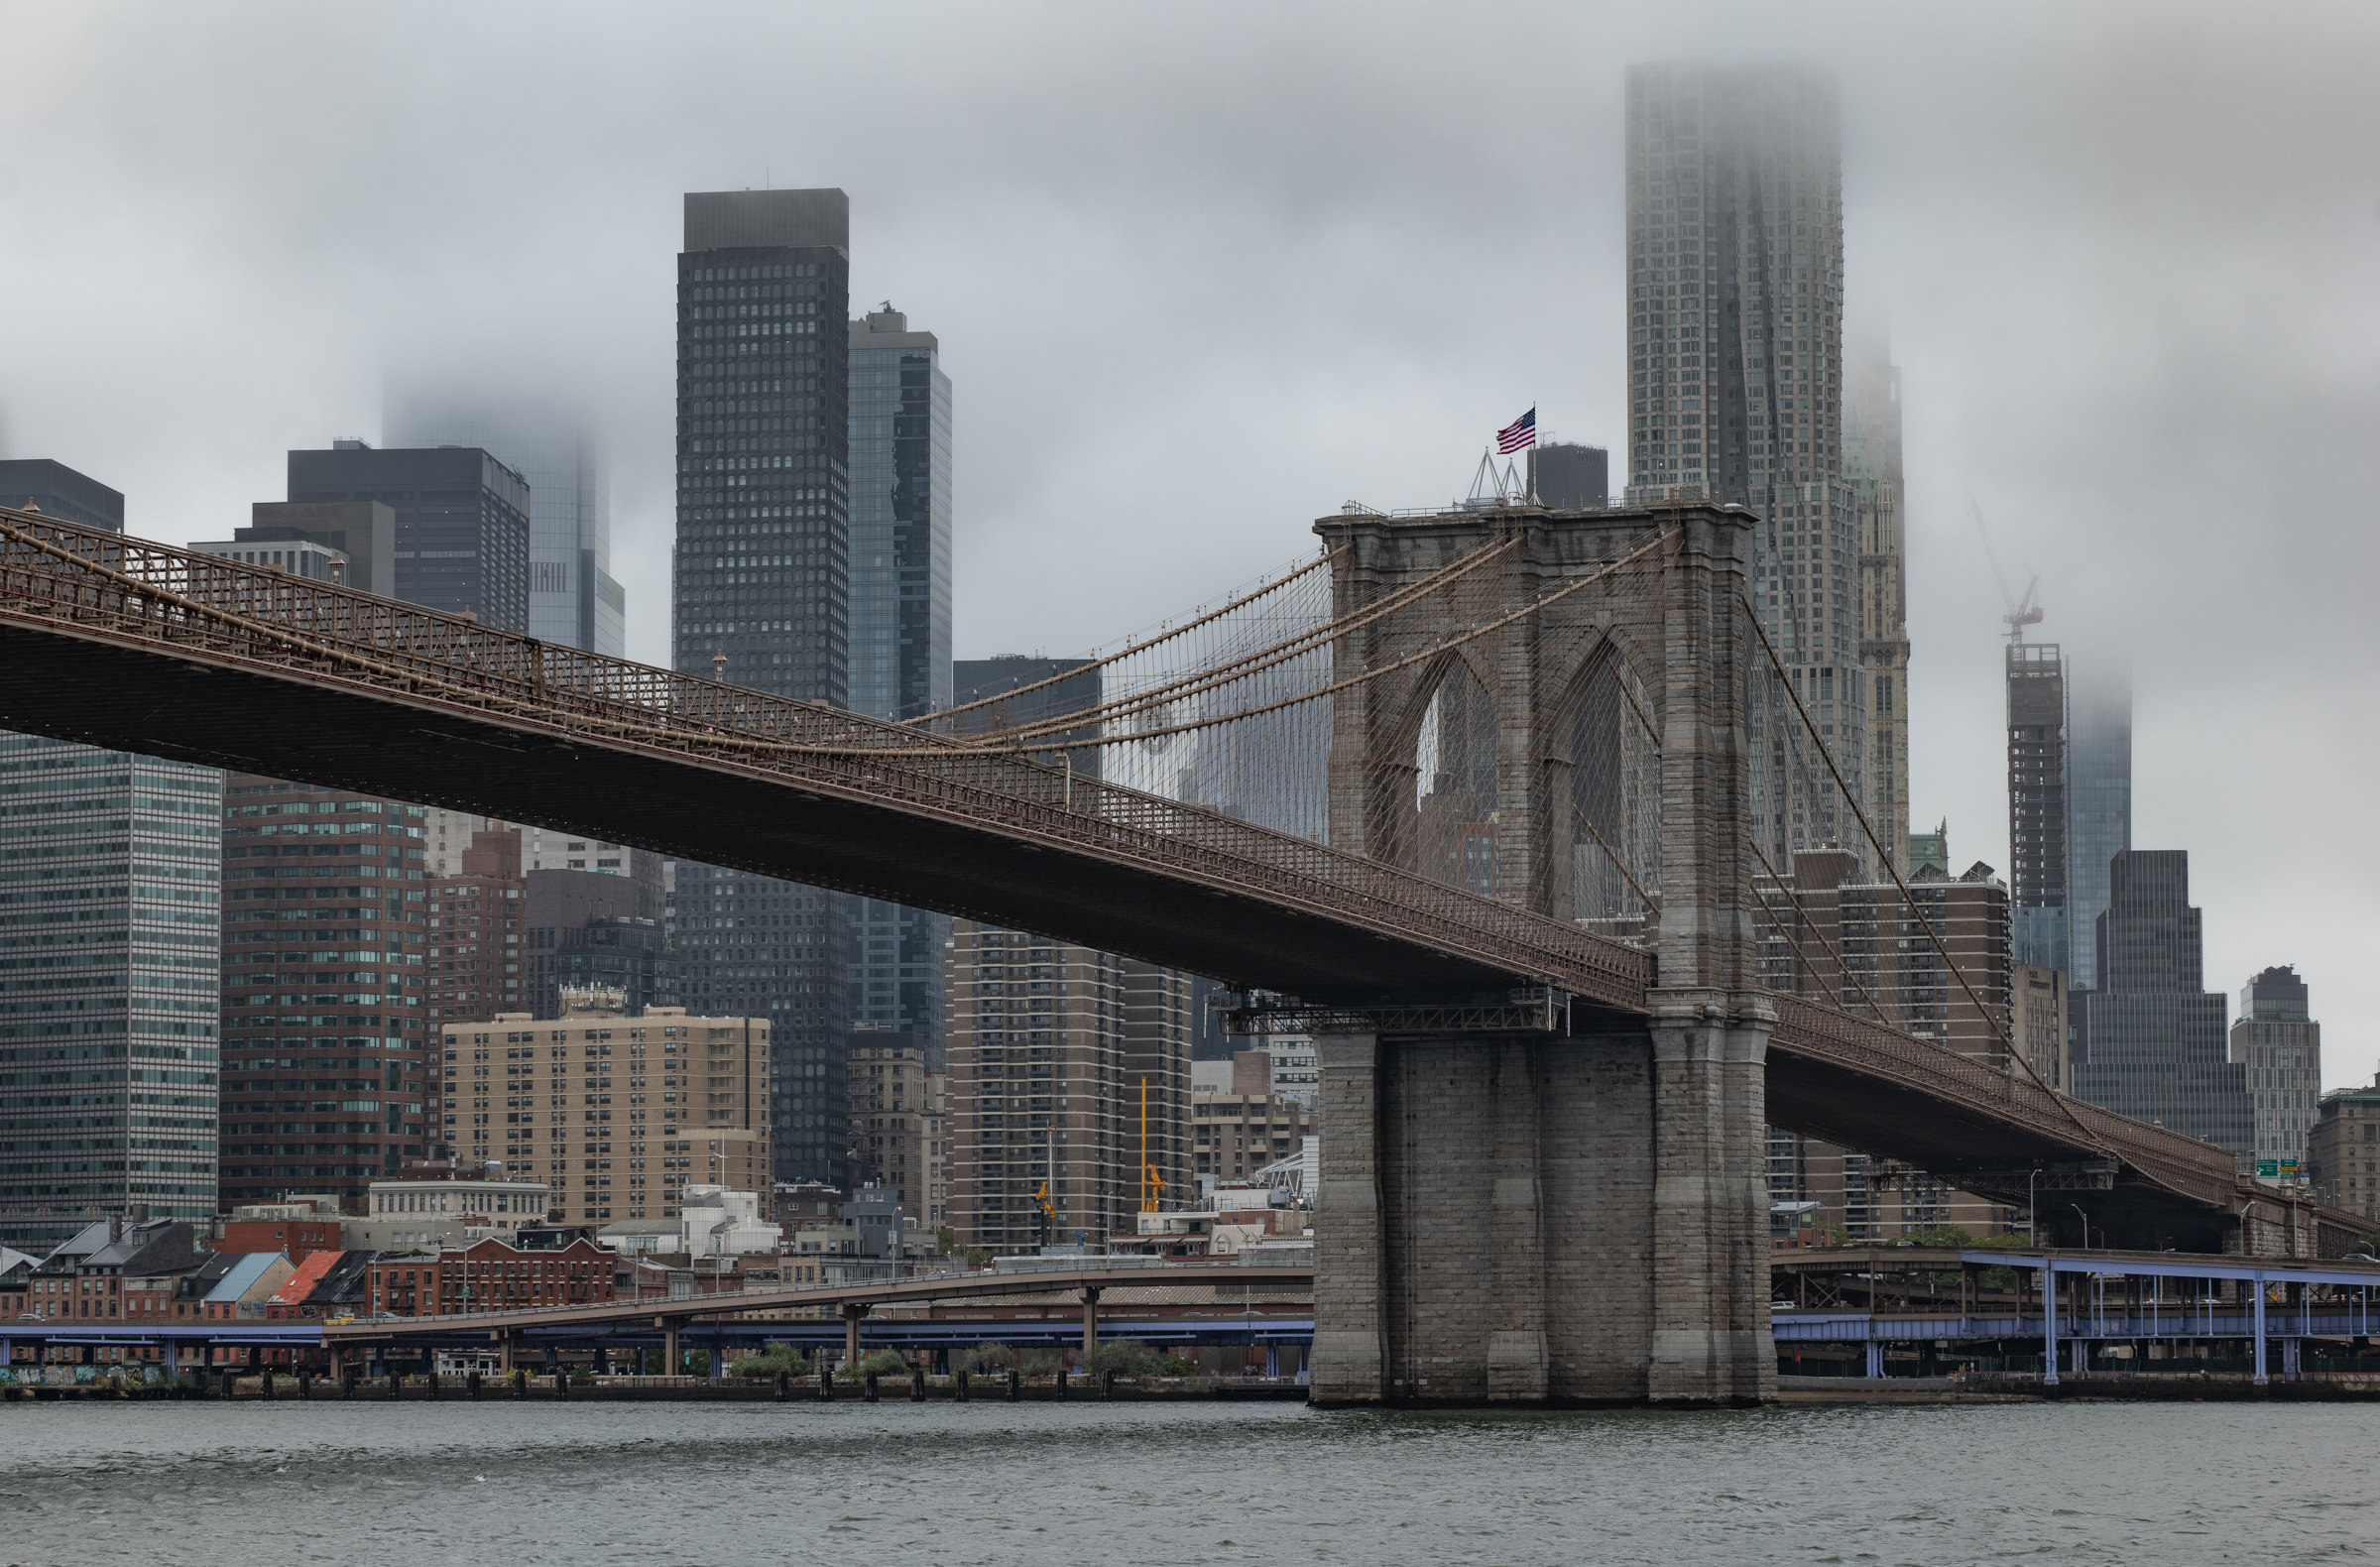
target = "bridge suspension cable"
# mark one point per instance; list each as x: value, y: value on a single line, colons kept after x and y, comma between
x: 1132, y: 647
x: 1201, y: 681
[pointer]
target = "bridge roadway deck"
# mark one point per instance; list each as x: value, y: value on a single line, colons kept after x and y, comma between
x: 917, y: 1292
x: 122, y: 642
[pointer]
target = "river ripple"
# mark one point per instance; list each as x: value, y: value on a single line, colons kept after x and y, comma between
x: 951, y: 1486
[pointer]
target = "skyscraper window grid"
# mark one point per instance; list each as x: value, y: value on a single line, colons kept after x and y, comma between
x: 761, y: 598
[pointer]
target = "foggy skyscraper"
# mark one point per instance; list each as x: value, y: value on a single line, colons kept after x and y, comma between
x: 461, y: 514
x: 572, y: 598
x: 1734, y: 179
x: 2098, y: 799
x: 1871, y: 464
x: 762, y: 581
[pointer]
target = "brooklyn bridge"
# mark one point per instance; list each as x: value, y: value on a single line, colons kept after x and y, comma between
x: 1467, y: 794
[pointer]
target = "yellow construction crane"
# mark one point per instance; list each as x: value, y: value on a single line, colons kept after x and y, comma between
x: 1049, y: 1215
x: 1150, y: 1185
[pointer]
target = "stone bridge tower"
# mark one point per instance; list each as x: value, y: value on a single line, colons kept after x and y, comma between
x: 1577, y: 1217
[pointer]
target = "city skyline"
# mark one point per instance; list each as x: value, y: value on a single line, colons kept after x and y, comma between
x: 1975, y: 423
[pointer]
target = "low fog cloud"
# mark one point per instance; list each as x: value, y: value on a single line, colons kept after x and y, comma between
x: 1201, y: 274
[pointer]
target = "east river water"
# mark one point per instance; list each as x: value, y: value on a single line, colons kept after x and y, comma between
x: 940, y: 1484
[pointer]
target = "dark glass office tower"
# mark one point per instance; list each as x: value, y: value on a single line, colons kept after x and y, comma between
x: 2148, y: 1040
x: 462, y: 522
x: 900, y: 630
x: 42, y: 484
x: 572, y: 597
x: 762, y: 598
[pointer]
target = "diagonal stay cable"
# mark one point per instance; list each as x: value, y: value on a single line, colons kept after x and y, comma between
x: 1841, y: 967
x: 1158, y: 641
x: 1297, y: 646
x: 1352, y: 680
x: 1832, y: 994
x: 1617, y: 864
x: 1908, y: 900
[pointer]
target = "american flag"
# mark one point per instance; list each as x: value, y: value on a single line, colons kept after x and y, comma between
x: 1522, y: 431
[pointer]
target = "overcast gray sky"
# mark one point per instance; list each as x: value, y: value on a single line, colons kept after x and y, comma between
x: 1201, y: 273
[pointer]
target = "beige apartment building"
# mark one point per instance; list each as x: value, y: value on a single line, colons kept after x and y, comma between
x: 1237, y: 1134
x: 1048, y: 1045
x: 893, y: 1094
x: 618, y: 1115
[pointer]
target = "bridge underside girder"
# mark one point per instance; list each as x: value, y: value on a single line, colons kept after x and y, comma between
x: 1885, y: 1120
x: 103, y: 693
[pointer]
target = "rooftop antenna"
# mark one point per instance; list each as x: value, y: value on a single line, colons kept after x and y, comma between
x: 2021, y: 613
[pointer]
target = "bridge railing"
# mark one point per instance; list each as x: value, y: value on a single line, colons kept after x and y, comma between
x: 296, y: 626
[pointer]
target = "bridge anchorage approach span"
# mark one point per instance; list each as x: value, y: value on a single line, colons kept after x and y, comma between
x: 1527, y: 730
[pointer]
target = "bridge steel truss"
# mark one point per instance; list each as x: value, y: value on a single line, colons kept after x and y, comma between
x: 128, y: 644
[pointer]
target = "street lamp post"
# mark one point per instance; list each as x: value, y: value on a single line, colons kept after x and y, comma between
x: 2032, y: 1209
x: 2086, y: 1218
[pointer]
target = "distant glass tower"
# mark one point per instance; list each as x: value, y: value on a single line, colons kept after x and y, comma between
x: 2148, y: 1040
x: 2099, y: 800
x: 1735, y: 392
x: 108, y: 942
x: 762, y: 596
x: 900, y: 512
x: 572, y: 598
x: 2037, y: 820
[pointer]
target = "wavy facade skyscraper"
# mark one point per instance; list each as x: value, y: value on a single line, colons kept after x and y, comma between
x: 1736, y: 392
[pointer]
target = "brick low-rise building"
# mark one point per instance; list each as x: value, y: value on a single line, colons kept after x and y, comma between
x: 489, y: 1275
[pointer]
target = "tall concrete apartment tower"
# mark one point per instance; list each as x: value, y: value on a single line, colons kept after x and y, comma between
x: 2277, y: 1040
x: 1871, y: 465
x: 1736, y: 391
x: 762, y: 598
x: 2037, y: 818
x: 108, y: 923
x: 900, y: 509
x: 1052, y: 1045
x: 572, y: 597
x: 2098, y: 799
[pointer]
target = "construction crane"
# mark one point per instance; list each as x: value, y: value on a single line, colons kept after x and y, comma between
x: 1049, y: 1215
x: 2021, y: 613
x: 1150, y: 1185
